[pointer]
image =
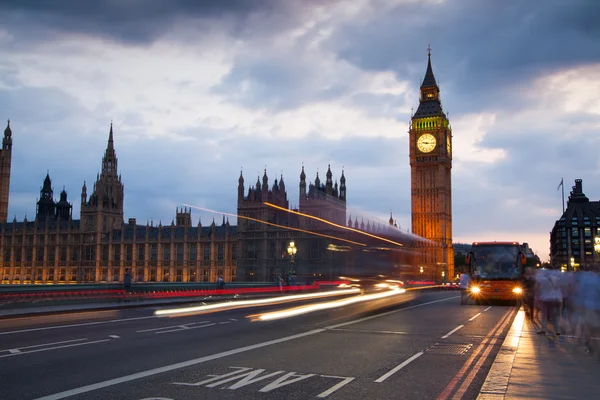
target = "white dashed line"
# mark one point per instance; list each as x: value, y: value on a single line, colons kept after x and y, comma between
x: 452, y: 331
x: 399, y: 367
x: 474, y: 316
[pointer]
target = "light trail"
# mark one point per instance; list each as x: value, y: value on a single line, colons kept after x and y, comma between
x: 292, y: 312
x: 276, y: 225
x: 251, y: 303
x: 333, y: 224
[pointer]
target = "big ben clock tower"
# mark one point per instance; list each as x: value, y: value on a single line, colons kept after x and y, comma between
x: 430, y: 141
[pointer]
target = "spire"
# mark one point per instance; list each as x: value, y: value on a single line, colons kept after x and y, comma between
x: 47, y: 184
x: 111, y: 144
x: 391, y: 221
x: 429, y: 79
x: 343, y: 178
x: 302, y: 175
x: 7, y: 131
x: 329, y: 174
x: 109, y: 161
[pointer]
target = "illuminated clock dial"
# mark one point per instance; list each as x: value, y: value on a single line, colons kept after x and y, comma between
x: 426, y: 143
x: 448, y: 145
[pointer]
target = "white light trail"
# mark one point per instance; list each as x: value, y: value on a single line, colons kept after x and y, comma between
x: 291, y: 312
x: 252, y: 303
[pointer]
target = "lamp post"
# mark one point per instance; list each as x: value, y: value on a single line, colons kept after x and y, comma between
x: 292, y: 250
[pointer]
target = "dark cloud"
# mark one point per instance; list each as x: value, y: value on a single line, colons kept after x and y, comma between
x: 143, y: 21
x: 482, y: 51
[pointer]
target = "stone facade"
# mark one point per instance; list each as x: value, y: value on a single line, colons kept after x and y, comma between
x: 98, y: 247
x: 430, y: 141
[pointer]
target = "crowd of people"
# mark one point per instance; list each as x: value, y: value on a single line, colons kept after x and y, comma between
x: 569, y: 301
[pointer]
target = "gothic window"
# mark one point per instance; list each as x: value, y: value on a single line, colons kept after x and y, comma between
x: 206, y: 249
x: 166, y: 252
x: 153, y: 252
x: 129, y: 252
x: 193, y: 252
x: 179, y: 253
x: 140, y: 251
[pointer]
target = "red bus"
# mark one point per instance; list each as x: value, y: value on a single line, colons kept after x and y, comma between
x: 496, y: 270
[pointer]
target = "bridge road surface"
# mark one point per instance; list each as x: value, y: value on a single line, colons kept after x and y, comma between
x: 429, y: 347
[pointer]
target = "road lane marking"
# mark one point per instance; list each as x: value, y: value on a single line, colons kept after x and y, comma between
x: 172, y: 367
x: 487, y: 308
x: 216, y: 356
x: 399, y: 367
x: 75, y: 325
x: 452, y: 331
x: 13, y: 351
x: 344, y: 382
x: 185, y: 328
x: 448, y: 389
x: 55, y: 348
x: 469, y: 379
x: 46, y: 344
x: 114, y: 336
x: 474, y: 316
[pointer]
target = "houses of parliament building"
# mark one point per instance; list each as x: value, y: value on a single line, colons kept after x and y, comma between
x: 55, y: 247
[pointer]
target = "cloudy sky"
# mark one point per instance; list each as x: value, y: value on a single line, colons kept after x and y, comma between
x: 199, y: 89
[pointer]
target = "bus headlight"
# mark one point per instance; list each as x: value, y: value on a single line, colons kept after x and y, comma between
x: 517, y: 290
x: 475, y: 289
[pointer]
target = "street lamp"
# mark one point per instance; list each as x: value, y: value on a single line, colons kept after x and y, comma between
x: 444, y: 276
x: 292, y: 250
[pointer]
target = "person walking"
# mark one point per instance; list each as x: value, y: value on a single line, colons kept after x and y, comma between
x: 127, y: 280
x: 464, y: 285
x: 550, y: 297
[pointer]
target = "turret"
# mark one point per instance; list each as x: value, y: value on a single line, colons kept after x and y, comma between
x: 343, y: 187
x: 83, y: 194
x: 329, y: 181
x: 241, y: 187
x: 265, y: 187
x: 302, y: 184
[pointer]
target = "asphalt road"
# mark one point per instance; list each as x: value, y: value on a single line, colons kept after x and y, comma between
x: 426, y: 347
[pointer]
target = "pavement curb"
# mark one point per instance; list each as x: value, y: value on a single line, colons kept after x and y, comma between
x: 495, y: 385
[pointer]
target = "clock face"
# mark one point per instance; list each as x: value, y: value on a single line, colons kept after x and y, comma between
x: 448, y: 145
x: 426, y: 143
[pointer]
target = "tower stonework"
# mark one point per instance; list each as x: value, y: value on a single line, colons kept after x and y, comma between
x: 103, y: 211
x: 430, y: 142
x: 5, y: 163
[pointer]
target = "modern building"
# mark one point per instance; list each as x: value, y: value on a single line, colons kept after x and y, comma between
x: 430, y: 149
x: 98, y: 247
x: 573, y: 236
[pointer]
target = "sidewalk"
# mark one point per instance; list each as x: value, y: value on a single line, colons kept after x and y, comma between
x: 532, y: 366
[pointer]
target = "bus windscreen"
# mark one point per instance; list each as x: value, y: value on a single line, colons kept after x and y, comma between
x: 496, y: 262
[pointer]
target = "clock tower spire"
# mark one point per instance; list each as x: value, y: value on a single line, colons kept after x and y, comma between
x: 430, y: 142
